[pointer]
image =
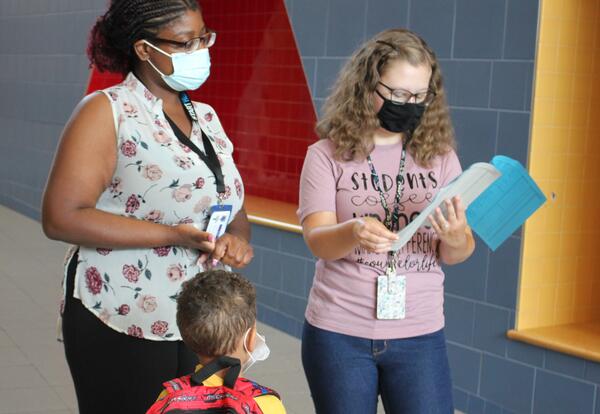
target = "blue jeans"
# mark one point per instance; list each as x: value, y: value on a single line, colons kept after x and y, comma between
x: 346, y: 373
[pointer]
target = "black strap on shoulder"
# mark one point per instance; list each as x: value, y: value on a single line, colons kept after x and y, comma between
x: 217, y: 365
x: 210, y: 157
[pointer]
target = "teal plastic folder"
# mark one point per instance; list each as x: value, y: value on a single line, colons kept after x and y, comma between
x: 505, y: 205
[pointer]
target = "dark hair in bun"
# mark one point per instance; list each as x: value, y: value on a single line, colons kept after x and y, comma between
x: 110, y: 46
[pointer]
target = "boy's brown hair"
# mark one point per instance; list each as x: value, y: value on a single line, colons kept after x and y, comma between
x: 214, y: 311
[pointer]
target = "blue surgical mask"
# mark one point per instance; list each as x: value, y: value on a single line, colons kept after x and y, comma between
x: 190, y: 70
x: 260, y: 353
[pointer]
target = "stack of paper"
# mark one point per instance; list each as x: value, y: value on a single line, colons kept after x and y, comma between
x: 469, y: 185
x: 499, y: 197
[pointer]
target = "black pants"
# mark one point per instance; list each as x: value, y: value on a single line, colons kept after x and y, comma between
x: 114, y: 372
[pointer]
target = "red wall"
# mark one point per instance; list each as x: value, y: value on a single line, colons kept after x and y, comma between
x: 259, y: 90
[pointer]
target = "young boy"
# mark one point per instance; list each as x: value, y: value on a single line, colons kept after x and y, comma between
x: 216, y: 315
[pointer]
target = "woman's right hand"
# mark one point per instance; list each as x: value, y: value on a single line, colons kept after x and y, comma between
x: 372, y: 235
x: 193, y: 238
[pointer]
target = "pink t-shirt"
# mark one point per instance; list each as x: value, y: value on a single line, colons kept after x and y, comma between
x: 342, y: 298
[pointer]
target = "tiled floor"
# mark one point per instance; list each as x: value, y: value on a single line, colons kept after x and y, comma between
x: 34, y: 377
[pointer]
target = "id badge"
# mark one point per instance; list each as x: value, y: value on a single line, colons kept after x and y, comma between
x: 391, y: 296
x: 219, y: 219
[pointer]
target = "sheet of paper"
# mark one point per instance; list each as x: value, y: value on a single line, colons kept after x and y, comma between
x: 469, y: 185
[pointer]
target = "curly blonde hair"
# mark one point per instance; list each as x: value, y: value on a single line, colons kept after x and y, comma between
x: 349, y: 118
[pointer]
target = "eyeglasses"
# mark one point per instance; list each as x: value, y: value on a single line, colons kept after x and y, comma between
x: 401, y: 96
x: 202, y: 42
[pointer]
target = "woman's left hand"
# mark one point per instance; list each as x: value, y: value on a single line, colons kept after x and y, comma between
x: 451, y: 229
x: 232, y: 250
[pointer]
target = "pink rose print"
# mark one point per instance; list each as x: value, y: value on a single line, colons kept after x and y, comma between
x: 183, y: 193
x: 185, y: 163
x: 116, y: 186
x: 128, y: 148
x: 160, y: 136
x: 147, y: 303
x: 93, y: 280
x: 221, y: 160
x: 130, y: 110
x: 208, y: 116
x: 162, y: 124
x: 148, y: 95
x: 132, y: 204
x: 136, y: 331
x: 113, y: 95
x: 175, y: 272
x: 154, y: 216
x: 226, y: 195
x: 185, y: 148
x: 238, y: 188
x: 103, y: 252
x: 131, y: 273
x: 221, y: 143
x: 162, y: 251
x: 152, y: 172
x: 199, y: 183
x: 123, y: 310
x: 159, y: 328
x: 186, y: 220
x: 131, y: 84
x: 203, y: 204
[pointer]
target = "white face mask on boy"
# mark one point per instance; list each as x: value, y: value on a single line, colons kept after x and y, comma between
x: 260, y: 353
x: 190, y: 70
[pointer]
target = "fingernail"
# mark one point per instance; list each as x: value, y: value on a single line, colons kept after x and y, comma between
x: 214, y: 262
x: 211, y: 238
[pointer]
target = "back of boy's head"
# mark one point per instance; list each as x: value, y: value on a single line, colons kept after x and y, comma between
x: 214, y: 311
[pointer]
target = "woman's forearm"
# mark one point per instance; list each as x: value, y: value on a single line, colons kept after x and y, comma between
x: 332, y: 242
x: 451, y: 255
x: 240, y: 226
x: 95, y: 228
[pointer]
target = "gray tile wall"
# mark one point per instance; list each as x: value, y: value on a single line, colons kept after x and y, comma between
x: 282, y: 270
x: 44, y: 74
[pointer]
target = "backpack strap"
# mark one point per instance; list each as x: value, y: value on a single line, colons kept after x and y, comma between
x: 217, y: 365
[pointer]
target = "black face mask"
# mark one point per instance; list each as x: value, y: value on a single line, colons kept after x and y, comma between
x: 400, y: 118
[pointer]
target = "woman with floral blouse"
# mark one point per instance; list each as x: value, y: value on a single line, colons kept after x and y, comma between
x: 137, y: 174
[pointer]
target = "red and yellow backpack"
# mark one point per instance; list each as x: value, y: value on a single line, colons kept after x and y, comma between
x: 188, y: 395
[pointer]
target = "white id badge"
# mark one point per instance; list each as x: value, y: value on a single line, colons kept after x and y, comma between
x: 391, y: 297
x: 219, y: 219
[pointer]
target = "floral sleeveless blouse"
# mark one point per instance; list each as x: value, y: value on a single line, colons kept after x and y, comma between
x: 156, y: 179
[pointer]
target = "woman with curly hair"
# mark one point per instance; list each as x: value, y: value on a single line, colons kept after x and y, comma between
x: 374, y: 321
x: 136, y: 175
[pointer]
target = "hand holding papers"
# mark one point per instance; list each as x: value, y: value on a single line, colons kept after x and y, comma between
x: 499, y: 197
x: 469, y: 185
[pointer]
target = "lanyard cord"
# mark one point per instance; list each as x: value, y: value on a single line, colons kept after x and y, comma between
x: 210, y: 157
x: 392, y: 218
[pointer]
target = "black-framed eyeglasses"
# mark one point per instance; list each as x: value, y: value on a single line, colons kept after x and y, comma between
x: 401, y: 96
x: 201, y: 42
